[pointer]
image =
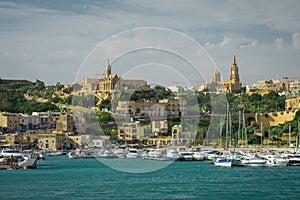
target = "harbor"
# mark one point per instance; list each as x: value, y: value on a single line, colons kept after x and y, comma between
x: 58, y: 177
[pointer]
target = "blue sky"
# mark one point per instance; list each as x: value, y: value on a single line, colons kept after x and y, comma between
x: 48, y: 40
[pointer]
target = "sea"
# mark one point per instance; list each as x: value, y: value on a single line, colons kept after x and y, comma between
x: 59, y: 177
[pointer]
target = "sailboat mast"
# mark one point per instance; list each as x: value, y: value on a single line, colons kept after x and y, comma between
x: 227, y: 123
x: 244, y: 134
x: 297, y: 139
x: 290, y: 129
x: 221, y: 127
x: 269, y: 132
x: 261, y: 137
x: 239, y: 128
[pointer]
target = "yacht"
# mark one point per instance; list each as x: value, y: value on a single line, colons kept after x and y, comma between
x: 294, y: 160
x: 275, y: 161
x: 173, y: 154
x: 107, y: 154
x: 132, y: 153
x: 198, y: 156
x: 11, y: 152
x: 223, y: 162
x: 253, y: 161
x: 186, y: 156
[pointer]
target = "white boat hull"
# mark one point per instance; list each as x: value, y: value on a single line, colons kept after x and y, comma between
x: 223, y: 164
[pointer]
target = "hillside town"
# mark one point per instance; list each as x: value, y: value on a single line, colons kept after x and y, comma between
x: 154, y: 120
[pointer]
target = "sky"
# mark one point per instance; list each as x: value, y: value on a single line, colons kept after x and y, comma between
x: 56, y: 40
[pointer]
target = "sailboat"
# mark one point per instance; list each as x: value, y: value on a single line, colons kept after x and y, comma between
x: 223, y: 161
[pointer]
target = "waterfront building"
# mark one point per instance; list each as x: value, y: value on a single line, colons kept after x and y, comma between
x: 180, y: 137
x: 51, y: 141
x: 159, y: 126
x: 131, y: 132
x: 28, y: 122
x: 160, y: 141
x: 9, y: 122
x: 47, y: 119
x: 65, y: 123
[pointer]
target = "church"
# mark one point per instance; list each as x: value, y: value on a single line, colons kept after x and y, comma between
x: 113, y: 82
x: 227, y: 86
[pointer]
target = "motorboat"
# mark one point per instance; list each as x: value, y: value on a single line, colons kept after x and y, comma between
x: 173, y: 154
x: 11, y: 153
x: 198, y: 156
x: 253, y: 161
x: 223, y: 162
x: 132, y: 153
x: 108, y: 154
x: 155, y: 153
x: 186, y: 156
x: 81, y: 153
x: 294, y: 160
x: 275, y: 161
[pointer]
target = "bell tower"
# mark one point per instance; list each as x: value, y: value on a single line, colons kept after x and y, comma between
x: 108, y: 69
x: 234, y: 76
x: 217, y: 76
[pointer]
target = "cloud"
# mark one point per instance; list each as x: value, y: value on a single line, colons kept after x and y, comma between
x: 296, y: 40
x: 42, y: 38
x: 279, y: 43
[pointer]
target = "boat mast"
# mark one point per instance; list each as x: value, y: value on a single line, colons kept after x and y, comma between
x: 221, y: 127
x: 290, y: 129
x: 239, y: 128
x: 227, y: 123
x: 261, y: 137
x: 297, y: 139
x: 244, y: 129
x: 269, y: 137
x: 230, y: 130
x: 242, y: 133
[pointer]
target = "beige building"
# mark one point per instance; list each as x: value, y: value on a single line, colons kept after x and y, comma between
x: 180, y: 137
x: 28, y: 122
x: 227, y: 86
x: 9, y: 122
x: 113, y: 82
x: 159, y: 126
x: 13, y: 139
x: 264, y: 87
x: 90, y: 84
x: 131, y: 131
x: 52, y: 141
x: 65, y: 123
x: 152, y: 108
x: 292, y: 103
x: 160, y: 141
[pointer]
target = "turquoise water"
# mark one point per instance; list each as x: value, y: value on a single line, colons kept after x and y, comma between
x: 63, y: 178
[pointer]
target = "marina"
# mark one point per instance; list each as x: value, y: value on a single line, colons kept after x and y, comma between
x: 58, y: 177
